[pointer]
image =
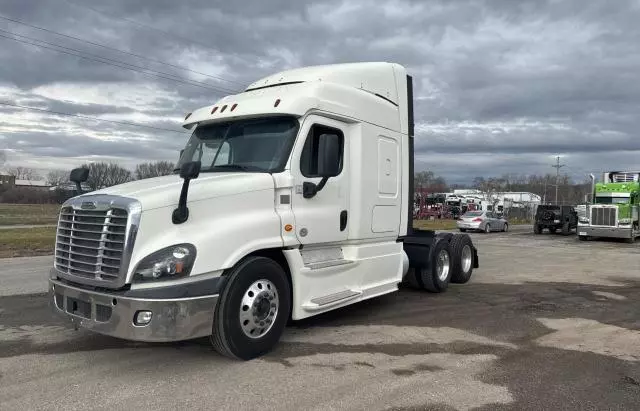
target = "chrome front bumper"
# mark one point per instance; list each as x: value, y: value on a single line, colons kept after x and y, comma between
x: 605, y: 232
x: 172, y: 319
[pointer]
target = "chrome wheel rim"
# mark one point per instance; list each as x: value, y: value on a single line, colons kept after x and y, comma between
x: 442, y: 265
x: 466, y: 258
x: 259, y: 308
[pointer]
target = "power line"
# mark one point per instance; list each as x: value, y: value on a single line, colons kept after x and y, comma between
x: 167, y: 33
x: 109, y: 61
x: 90, y: 118
x: 119, y: 51
x: 557, y: 166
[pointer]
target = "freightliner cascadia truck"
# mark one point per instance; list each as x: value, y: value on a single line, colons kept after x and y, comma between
x: 614, y: 210
x: 290, y: 199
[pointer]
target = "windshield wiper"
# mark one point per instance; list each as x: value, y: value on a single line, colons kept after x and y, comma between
x: 234, y: 167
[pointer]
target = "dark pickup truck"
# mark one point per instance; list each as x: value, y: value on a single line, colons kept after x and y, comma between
x: 554, y: 218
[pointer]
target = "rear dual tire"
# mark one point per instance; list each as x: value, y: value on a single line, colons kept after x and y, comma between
x: 253, y: 309
x: 462, y: 252
x: 452, y: 262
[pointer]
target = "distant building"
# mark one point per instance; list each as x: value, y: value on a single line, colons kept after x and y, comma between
x: 34, y: 184
x: 68, y: 186
x: 7, y: 180
x: 466, y: 192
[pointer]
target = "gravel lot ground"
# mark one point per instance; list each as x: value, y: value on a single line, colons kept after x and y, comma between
x: 546, y: 323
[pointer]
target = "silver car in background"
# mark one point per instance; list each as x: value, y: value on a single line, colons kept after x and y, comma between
x: 485, y: 221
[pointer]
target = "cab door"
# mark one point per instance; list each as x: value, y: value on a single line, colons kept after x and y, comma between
x: 321, y: 217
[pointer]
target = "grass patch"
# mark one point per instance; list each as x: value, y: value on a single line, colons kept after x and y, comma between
x: 17, y: 214
x: 437, y: 224
x: 26, y: 242
x: 443, y: 224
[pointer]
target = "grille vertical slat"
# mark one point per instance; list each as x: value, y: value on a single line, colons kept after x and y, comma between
x: 604, y: 216
x: 90, y: 244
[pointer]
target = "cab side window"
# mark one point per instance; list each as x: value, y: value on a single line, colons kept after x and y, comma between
x: 310, y: 151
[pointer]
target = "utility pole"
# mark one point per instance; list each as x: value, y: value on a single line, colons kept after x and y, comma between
x: 557, y: 166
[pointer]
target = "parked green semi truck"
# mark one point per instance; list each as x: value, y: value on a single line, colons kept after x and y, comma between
x: 614, y: 210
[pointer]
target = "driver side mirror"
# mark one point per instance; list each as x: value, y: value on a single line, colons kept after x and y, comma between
x: 329, y: 161
x: 329, y: 155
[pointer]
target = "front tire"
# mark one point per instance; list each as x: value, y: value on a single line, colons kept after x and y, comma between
x: 505, y: 228
x: 537, y: 229
x: 252, y: 310
x: 565, y: 229
x: 487, y: 229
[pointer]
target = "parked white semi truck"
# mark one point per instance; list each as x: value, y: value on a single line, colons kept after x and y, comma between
x: 292, y: 198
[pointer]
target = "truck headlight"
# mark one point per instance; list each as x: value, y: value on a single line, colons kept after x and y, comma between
x: 624, y: 221
x: 584, y: 220
x: 166, y: 264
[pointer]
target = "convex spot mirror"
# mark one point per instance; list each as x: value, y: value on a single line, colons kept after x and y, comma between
x: 79, y: 175
x: 190, y: 170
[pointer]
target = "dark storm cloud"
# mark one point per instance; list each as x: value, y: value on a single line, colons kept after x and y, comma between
x: 499, y: 84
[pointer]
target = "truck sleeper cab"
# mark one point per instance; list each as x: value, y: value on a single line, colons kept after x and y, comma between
x: 293, y: 198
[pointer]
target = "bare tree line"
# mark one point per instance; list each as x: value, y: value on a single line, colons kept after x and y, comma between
x: 101, y: 174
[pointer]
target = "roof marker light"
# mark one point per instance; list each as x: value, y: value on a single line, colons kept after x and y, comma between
x: 223, y: 108
x: 234, y: 106
x: 214, y: 109
x: 276, y: 103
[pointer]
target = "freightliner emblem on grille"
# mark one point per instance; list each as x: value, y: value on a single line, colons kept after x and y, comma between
x: 88, y: 205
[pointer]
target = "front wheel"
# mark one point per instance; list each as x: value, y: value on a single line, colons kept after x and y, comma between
x: 487, y: 229
x: 252, y: 310
x: 505, y: 228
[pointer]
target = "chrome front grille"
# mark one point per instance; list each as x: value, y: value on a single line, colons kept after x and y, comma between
x: 625, y: 177
x: 604, y: 216
x: 91, y: 243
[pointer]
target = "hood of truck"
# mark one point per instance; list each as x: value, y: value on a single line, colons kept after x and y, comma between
x: 165, y: 191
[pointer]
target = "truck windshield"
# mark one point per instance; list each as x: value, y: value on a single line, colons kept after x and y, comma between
x: 612, y: 200
x: 261, y: 145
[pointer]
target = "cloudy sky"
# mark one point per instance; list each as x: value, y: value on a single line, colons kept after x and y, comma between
x: 501, y: 86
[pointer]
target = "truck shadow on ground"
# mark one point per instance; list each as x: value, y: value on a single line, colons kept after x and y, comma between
x: 508, y: 314
x: 504, y: 312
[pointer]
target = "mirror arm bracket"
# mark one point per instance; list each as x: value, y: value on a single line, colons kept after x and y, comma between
x: 309, y: 189
x: 181, y: 214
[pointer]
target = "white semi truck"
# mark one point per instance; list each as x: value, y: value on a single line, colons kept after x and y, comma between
x: 291, y: 198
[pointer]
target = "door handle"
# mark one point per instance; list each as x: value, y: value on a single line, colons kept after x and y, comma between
x: 343, y: 220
